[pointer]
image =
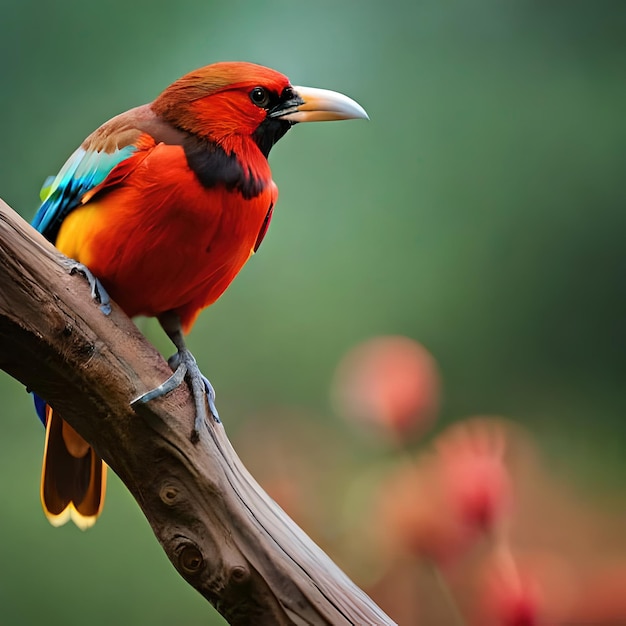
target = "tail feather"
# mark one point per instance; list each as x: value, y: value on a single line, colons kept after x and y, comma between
x: 73, y: 478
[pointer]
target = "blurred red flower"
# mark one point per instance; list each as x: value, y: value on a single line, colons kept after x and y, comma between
x: 471, y: 459
x: 391, y: 383
x: 439, y: 506
x: 510, y: 596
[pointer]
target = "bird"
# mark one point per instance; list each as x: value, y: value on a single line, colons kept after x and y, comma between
x: 160, y: 208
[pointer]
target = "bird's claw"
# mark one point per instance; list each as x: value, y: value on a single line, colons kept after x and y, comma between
x: 185, y: 367
x: 163, y: 389
x: 210, y: 396
x: 98, y: 292
x: 176, y: 362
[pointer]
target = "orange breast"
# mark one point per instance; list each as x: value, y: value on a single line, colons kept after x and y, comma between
x: 161, y: 241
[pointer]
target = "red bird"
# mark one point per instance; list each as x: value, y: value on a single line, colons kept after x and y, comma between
x: 161, y: 207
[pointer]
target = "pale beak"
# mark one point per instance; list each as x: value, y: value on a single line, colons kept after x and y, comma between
x: 318, y: 105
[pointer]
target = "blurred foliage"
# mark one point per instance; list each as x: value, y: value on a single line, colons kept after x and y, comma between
x: 480, y: 211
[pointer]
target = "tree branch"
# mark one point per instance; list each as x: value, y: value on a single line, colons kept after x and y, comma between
x: 222, y: 532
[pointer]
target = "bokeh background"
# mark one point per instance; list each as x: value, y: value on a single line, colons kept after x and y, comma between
x: 481, y: 212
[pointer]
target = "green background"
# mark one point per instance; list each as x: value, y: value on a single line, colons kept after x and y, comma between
x: 481, y: 211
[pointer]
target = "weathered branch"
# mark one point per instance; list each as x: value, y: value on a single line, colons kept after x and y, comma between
x: 223, y: 534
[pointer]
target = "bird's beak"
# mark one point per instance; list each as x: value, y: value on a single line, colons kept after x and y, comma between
x: 318, y: 105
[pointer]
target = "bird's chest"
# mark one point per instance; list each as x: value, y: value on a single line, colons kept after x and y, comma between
x: 211, y: 229
x: 206, y: 200
x: 159, y: 243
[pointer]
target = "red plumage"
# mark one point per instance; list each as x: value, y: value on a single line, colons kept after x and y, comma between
x: 158, y: 240
x: 165, y: 204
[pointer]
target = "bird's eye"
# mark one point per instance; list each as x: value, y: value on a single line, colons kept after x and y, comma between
x: 260, y: 97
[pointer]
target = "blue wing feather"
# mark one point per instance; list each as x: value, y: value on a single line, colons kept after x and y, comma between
x: 61, y: 194
x: 40, y: 407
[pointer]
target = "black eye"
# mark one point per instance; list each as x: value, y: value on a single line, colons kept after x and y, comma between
x: 260, y: 97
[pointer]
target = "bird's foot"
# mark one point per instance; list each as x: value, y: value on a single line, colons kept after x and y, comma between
x: 200, y: 385
x: 184, y: 366
x: 98, y: 292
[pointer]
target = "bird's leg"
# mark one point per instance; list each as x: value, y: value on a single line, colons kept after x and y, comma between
x: 184, y: 366
x: 98, y: 292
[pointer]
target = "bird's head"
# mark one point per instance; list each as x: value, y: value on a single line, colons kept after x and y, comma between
x: 223, y: 101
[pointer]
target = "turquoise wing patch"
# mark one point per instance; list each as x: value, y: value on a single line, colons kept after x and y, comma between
x: 62, y: 193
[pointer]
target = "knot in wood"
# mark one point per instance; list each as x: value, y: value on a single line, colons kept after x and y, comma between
x: 190, y: 559
x: 239, y: 574
x: 86, y: 349
x: 169, y: 493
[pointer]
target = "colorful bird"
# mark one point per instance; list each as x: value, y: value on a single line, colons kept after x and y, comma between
x: 161, y: 207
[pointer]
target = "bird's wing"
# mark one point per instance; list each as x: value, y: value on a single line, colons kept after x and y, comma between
x: 61, y: 194
x: 90, y: 166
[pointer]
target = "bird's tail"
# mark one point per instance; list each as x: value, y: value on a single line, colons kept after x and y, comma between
x: 73, y: 477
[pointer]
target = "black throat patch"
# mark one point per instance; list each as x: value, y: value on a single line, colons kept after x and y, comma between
x: 213, y: 167
x: 269, y: 132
